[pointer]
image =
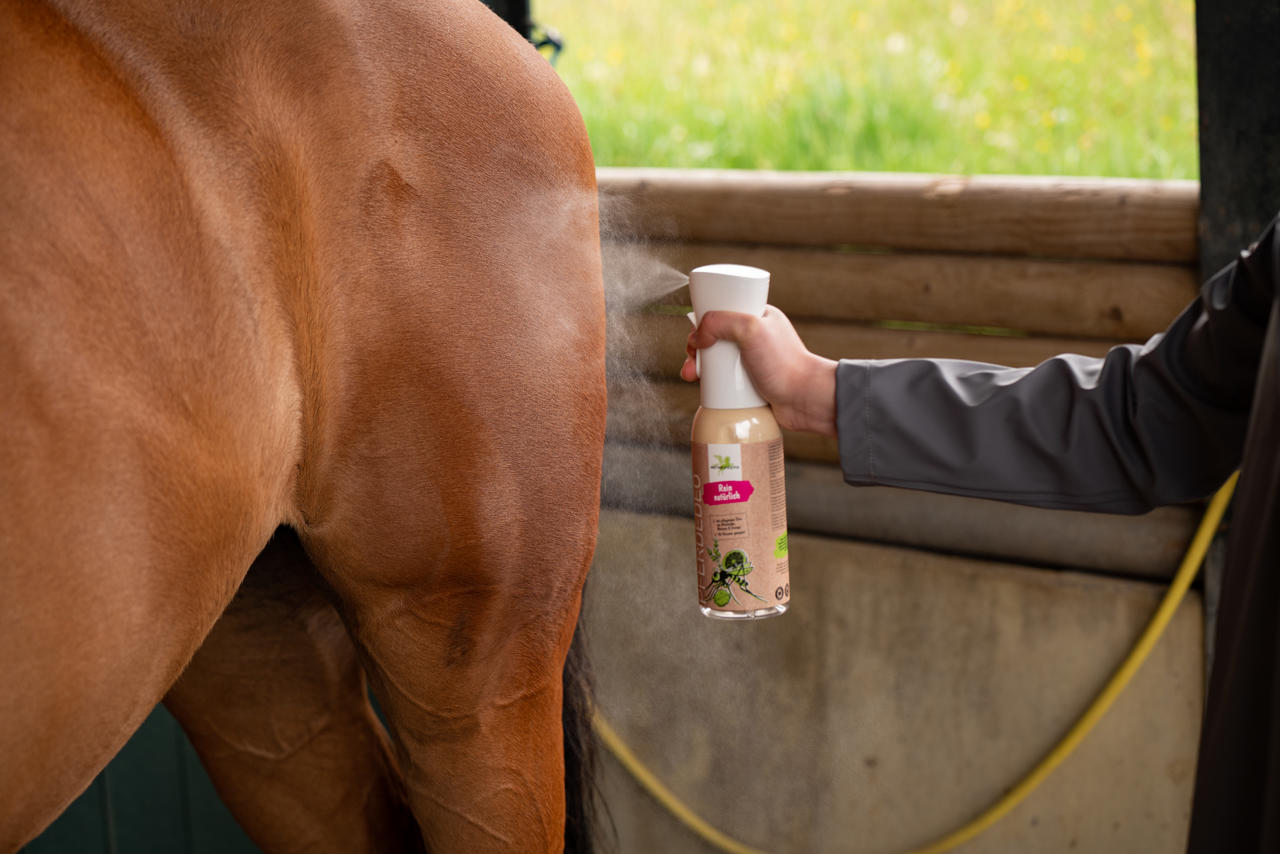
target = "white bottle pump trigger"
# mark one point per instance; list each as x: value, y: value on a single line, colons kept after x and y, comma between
x: 726, y: 287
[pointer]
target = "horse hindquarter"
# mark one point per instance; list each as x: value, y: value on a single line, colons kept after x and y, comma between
x: 450, y: 485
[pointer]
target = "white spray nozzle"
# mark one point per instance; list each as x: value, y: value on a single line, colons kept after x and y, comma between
x: 727, y: 287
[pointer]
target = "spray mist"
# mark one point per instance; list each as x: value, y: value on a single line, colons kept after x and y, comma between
x: 739, y: 493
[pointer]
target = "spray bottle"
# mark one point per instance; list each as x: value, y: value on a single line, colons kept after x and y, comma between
x: 739, y: 495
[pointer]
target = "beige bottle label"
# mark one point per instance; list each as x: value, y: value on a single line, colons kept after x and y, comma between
x: 740, y: 525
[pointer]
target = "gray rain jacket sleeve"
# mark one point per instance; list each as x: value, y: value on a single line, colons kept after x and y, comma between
x: 1146, y: 425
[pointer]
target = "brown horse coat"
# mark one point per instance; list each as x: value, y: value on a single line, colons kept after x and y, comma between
x: 325, y: 265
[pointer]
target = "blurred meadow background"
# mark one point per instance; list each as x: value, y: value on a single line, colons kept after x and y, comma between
x: 1051, y: 87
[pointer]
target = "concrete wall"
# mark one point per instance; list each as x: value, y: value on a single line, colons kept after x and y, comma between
x: 903, y: 693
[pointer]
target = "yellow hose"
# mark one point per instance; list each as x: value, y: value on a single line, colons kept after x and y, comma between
x: 662, y: 794
x: 1146, y: 642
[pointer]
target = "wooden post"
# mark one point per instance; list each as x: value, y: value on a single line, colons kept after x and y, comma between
x: 1238, y: 68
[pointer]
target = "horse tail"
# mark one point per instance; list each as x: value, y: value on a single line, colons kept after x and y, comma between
x: 581, y: 788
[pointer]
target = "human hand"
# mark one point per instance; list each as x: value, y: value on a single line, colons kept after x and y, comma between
x: 799, y: 385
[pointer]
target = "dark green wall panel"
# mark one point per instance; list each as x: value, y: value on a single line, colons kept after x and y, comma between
x: 154, y: 798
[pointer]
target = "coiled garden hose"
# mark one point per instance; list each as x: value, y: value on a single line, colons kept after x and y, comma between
x: 1141, y: 649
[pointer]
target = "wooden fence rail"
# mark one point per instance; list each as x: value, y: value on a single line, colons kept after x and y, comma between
x: 1091, y: 218
x: 1081, y: 298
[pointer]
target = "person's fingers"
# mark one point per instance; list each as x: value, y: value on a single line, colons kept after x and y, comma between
x: 689, y: 370
x: 728, y: 326
x: 723, y: 325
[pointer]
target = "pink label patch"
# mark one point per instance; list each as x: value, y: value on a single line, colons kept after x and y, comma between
x: 726, y: 492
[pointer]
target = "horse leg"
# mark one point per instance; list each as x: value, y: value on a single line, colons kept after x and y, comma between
x: 467, y: 662
x: 461, y: 590
x: 103, y: 612
x: 275, y: 704
x: 105, y: 599
x: 458, y: 522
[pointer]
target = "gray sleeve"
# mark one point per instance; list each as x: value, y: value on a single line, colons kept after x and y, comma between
x: 1144, y: 426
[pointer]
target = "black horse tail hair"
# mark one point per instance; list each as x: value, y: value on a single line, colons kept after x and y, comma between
x: 581, y: 787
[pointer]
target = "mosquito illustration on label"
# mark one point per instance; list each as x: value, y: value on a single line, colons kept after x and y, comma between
x: 731, y: 570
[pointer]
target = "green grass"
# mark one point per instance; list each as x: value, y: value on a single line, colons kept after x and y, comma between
x: 1057, y: 87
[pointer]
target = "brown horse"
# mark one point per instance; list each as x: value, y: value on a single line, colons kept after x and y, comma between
x: 295, y: 285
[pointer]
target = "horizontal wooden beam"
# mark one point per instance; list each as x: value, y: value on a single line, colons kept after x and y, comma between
x: 1087, y: 299
x: 655, y: 344
x: 656, y: 479
x: 1115, y: 219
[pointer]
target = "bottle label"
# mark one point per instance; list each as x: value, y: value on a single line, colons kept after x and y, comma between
x: 740, y: 525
